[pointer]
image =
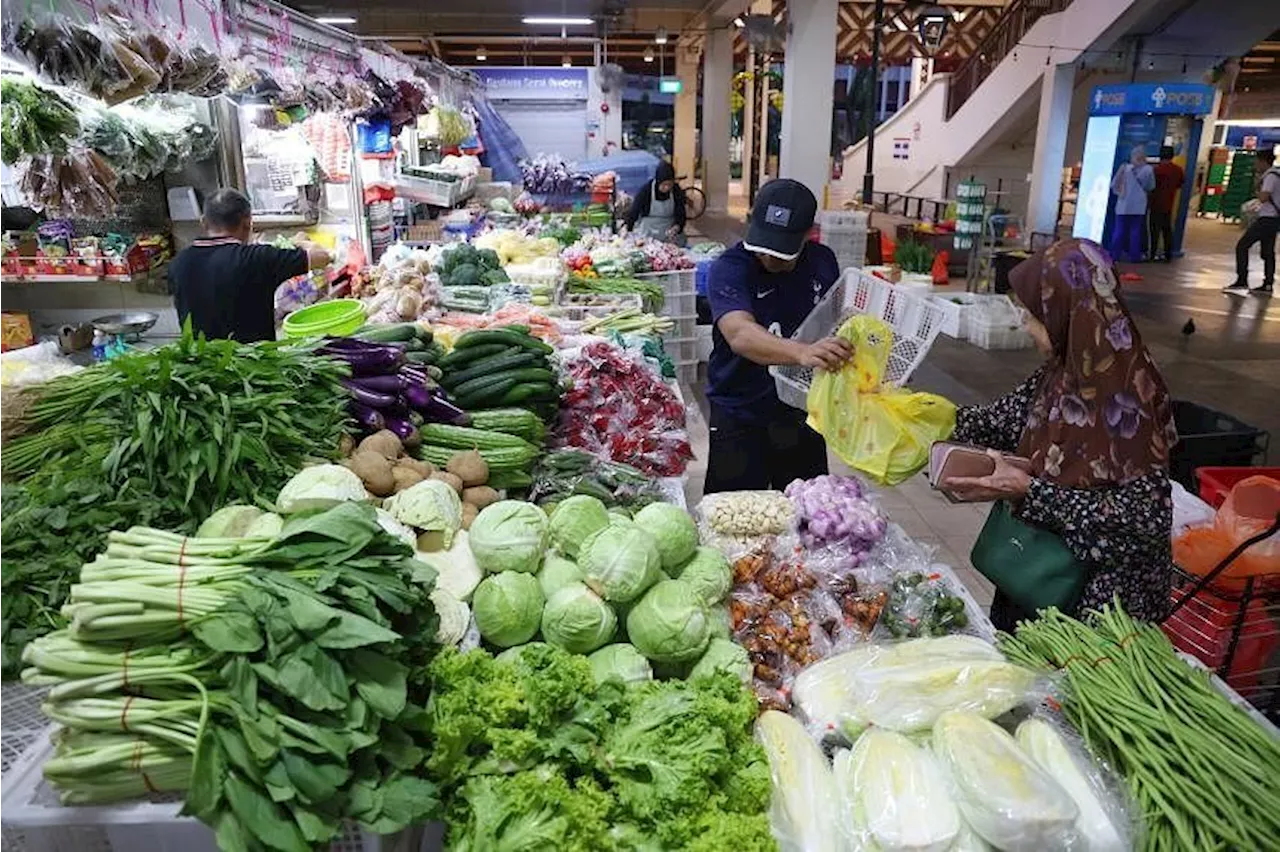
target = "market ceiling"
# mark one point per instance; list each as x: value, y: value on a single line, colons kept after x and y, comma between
x: 459, y: 32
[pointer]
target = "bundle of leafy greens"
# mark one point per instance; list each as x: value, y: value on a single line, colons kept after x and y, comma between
x: 157, y: 438
x: 530, y: 753
x: 279, y: 682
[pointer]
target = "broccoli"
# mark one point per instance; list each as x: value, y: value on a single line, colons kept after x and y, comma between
x: 494, y: 276
x: 487, y: 259
x: 461, y: 275
x: 455, y: 257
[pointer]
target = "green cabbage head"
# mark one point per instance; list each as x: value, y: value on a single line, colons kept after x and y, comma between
x: 509, y: 535
x: 673, y: 531
x: 723, y: 656
x: 708, y: 572
x: 620, y: 661
x: 620, y: 562
x: 508, y: 608
x: 578, y: 620
x: 573, y: 520
x: 556, y: 573
x: 670, y: 624
x: 321, y: 486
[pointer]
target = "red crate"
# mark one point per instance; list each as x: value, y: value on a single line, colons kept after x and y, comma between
x: 1216, y: 482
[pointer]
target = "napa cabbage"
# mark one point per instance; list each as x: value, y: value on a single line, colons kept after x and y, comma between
x: 803, y: 808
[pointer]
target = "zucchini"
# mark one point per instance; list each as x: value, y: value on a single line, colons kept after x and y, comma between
x: 527, y: 392
x: 401, y: 332
x: 464, y: 438
x: 502, y: 335
x: 459, y: 357
x: 492, y: 366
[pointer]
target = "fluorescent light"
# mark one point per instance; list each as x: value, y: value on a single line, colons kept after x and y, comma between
x: 648, y: 54
x: 481, y: 55
x: 336, y: 20
x: 660, y: 37
x: 739, y: 23
x: 566, y: 62
x: 552, y: 20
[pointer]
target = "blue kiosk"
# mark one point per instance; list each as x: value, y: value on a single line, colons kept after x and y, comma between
x: 1148, y: 114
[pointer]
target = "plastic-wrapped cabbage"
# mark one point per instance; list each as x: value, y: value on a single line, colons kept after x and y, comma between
x: 573, y: 520
x: 578, y: 620
x: 893, y: 796
x: 455, y: 617
x: 723, y: 656
x: 673, y: 531
x: 556, y: 573
x: 509, y: 535
x: 619, y: 661
x: 709, y: 573
x: 321, y: 487
x: 1100, y: 815
x: 803, y: 809
x: 430, y: 505
x: 508, y: 608
x: 905, y: 687
x: 670, y: 623
x: 1000, y: 790
x: 620, y: 562
x: 456, y: 569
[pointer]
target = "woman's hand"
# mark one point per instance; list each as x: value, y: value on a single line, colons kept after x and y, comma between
x: 1006, y: 483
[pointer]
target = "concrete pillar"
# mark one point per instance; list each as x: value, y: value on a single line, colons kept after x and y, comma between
x: 807, y: 93
x: 749, y: 107
x: 1051, y: 146
x: 684, y: 145
x: 717, y: 79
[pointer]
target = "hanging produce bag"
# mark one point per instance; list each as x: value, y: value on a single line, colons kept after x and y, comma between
x: 881, y: 430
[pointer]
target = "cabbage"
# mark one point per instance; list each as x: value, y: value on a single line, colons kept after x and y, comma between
x: 267, y: 525
x: 709, y: 574
x: 573, y: 520
x: 893, y: 796
x: 969, y: 841
x: 509, y: 535
x: 508, y: 608
x: 720, y: 623
x: 456, y: 569
x: 576, y: 619
x: 430, y: 505
x: 723, y: 656
x: 619, y: 562
x: 1050, y: 752
x: 556, y: 573
x: 231, y: 521
x: 803, y: 809
x: 1003, y: 795
x: 670, y: 623
x: 673, y: 531
x: 396, y: 529
x: 320, y: 487
x: 455, y: 617
x: 619, y: 661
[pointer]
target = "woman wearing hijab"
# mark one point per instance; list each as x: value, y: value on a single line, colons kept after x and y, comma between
x: 1131, y: 183
x: 658, y: 209
x: 1097, y: 425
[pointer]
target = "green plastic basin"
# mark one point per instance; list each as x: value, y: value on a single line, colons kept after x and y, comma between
x: 335, y: 318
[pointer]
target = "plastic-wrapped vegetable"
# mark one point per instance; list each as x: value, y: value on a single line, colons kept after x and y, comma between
x: 34, y: 121
x: 1000, y: 790
x: 803, y: 809
x: 80, y: 184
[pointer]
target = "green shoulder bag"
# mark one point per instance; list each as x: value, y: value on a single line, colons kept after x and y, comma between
x: 1032, y: 566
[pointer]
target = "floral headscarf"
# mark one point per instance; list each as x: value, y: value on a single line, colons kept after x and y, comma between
x: 1102, y: 414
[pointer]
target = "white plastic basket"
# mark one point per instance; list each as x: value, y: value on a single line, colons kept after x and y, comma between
x: 915, y: 320
x: 681, y: 350
x: 996, y: 323
x: 680, y: 305
x: 673, y: 281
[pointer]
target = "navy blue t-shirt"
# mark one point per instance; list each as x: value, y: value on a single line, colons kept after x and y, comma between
x: 778, y: 301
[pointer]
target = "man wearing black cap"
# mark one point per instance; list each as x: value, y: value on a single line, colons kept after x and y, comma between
x: 760, y: 290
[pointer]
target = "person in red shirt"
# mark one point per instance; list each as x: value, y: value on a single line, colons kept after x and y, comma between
x: 1169, y: 177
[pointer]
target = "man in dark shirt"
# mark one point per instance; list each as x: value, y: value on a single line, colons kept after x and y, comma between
x: 227, y: 286
x: 760, y: 291
x: 1169, y: 177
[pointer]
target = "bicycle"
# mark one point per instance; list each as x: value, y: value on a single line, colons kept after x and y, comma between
x: 695, y: 200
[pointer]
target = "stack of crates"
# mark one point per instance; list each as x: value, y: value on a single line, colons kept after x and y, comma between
x: 680, y: 302
x: 845, y: 233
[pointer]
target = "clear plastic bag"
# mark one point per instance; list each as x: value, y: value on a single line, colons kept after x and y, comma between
x: 746, y: 514
x: 1250, y: 509
x: 922, y: 604
x: 803, y: 809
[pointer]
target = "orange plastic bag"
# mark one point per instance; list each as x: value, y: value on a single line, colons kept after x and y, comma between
x: 1249, y: 509
x: 939, y: 270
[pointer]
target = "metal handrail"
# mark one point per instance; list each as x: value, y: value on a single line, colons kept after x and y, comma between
x: 894, y: 202
x: 1018, y: 17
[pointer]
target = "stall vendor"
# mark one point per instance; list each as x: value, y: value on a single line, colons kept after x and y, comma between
x: 658, y: 209
x: 760, y: 291
x: 225, y: 285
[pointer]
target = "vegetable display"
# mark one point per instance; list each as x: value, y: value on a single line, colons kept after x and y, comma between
x: 559, y: 474
x: 833, y: 510
x: 34, y: 121
x: 501, y: 367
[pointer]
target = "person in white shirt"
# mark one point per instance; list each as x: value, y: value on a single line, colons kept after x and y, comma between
x: 1262, y: 231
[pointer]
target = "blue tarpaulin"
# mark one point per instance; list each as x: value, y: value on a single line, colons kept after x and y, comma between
x: 503, y: 149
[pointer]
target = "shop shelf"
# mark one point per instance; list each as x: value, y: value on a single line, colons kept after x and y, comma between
x: 1217, y: 482
x: 1209, y: 438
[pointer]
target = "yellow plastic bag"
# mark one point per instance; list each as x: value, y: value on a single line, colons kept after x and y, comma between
x: 881, y: 430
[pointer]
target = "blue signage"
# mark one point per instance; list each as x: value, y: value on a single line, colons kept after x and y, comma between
x: 1100, y: 139
x: 534, y: 83
x: 1163, y: 98
x: 1262, y: 136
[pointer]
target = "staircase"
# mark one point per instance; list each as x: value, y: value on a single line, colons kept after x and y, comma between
x: 1018, y: 18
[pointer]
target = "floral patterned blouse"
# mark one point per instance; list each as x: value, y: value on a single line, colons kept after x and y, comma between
x: 1121, y: 533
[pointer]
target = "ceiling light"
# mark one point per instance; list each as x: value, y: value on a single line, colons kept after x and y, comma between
x: 739, y: 23
x: 660, y: 37
x: 554, y: 21
x: 566, y: 62
x: 648, y: 54
x: 481, y: 55
x: 336, y: 20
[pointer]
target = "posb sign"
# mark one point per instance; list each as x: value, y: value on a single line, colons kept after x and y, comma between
x: 1186, y: 101
x: 1167, y: 98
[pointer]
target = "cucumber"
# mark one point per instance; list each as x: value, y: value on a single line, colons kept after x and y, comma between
x: 427, y: 357
x: 401, y: 332
x: 414, y: 344
x: 522, y: 375
x: 526, y: 392
x: 501, y: 335
x: 485, y: 396
x: 492, y: 366
x: 460, y: 357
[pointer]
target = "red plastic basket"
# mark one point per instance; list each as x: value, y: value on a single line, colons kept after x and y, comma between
x: 1217, y: 482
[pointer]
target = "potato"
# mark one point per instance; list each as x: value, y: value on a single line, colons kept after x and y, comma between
x: 374, y: 471
x: 385, y: 443
x: 470, y: 467
x: 424, y: 469
x: 431, y: 541
x: 469, y: 512
x: 404, y: 477
x: 479, y: 496
x: 454, y: 482
x: 346, y: 445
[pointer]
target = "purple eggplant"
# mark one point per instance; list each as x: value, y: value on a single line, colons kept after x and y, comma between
x: 371, y: 398
x: 372, y: 362
x: 404, y: 428
x: 419, y: 397
x: 416, y: 376
x: 370, y: 419
x: 441, y: 410
x: 392, y: 384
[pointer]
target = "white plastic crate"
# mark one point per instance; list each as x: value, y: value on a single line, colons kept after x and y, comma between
x: 687, y: 374
x: 915, y: 320
x: 681, y: 350
x: 673, y: 281
x: 996, y: 323
x: 849, y: 248
x: 847, y: 219
x: 959, y: 309
x: 680, y: 304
